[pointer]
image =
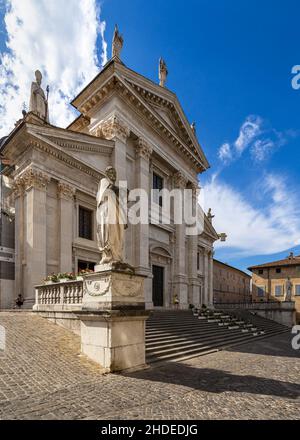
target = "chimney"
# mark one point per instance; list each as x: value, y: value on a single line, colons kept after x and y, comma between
x: 291, y: 256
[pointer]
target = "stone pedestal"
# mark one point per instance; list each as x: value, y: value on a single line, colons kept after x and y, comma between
x: 112, y: 288
x: 114, y: 339
x: 113, y: 318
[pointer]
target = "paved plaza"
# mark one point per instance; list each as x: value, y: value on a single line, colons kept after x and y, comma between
x: 43, y: 376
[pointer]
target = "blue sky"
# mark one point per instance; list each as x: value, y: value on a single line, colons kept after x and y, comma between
x: 228, y: 61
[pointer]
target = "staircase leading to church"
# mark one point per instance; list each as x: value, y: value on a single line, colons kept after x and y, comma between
x: 178, y: 335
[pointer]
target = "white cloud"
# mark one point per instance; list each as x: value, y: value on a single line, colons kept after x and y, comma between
x: 252, y: 230
x: 261, y: 149
x: 249, y: 130
x: 225, y: 153
x: 254, y: 136
x: 59, y: 38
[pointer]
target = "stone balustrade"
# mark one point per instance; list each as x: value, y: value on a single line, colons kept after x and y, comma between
x: 63, y: 295
x: 263, y: 305
x: 283, y: 312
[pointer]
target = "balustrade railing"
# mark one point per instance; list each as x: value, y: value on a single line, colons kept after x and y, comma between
x: 68, y: 292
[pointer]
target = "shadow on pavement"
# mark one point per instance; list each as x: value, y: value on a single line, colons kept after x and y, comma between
x: 217, y: 381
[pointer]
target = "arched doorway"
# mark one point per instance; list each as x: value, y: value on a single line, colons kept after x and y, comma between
x: 161, y: 272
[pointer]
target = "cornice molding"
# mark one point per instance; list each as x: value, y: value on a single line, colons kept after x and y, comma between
x: 80, y: 123
x: 64, y: 157
x: 81, y: 147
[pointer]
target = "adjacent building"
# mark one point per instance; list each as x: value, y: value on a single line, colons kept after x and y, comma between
x: 231, y: 285
x: 275, y: 280
x: 139, y: 127
x: 7, y: 238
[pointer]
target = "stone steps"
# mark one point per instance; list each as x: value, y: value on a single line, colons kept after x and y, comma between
x: 180, y: 335
x: 202, y: 349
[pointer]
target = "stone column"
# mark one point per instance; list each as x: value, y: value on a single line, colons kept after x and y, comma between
x: 115, y: 129
x: 210, y: 279
x: 206, y: 278
x: 65, y: 194
x: 143, y: 154
x: 180, y: 275
x: 194, y: 283
x: 18, y: 190
x: 35, y: 244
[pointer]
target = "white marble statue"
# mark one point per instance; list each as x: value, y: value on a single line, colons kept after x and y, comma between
x: 38, y: 101
x: 111, y: 219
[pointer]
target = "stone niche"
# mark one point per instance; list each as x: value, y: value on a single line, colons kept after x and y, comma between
x: 113, y: 319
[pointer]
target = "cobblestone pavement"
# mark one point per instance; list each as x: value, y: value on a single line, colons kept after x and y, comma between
x: 43, y: 376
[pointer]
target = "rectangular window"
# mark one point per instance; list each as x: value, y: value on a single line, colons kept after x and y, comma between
x: 278, y: 290
x: 85, y: 223
x: 278, y: 270
x: 158, y: 184
x: 84, y: 265
x: 260, y: 291
x: 297, y: 289
x: 261, y: 271
x: 198, y: 260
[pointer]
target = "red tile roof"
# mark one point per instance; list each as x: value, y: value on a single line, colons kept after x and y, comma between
x: 289, y: 261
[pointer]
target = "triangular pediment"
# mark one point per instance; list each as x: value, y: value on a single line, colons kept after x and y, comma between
x: 167, y: 116
x: 165, y: 103
x: 89, y: 150
x: 157, y: 104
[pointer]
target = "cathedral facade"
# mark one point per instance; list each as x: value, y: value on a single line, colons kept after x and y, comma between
x: 138, y: 127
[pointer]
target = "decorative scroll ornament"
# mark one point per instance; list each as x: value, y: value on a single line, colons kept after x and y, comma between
x: 65, y: 191
x: 143, y: 149
x: 97, y: 287
x: 112, y: 128
x: 180, y: 181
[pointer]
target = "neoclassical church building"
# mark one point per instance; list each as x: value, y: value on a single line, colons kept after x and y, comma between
x: 52, y: 175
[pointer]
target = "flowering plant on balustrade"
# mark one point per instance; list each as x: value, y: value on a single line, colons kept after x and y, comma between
x: 56, y: 278
x: 66, y: 276
x: 85, y: 272
x: 51, y: 278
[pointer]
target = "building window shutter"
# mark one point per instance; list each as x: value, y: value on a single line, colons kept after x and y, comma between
x: 85, y: 223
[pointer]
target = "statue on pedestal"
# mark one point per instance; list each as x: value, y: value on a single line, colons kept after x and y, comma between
x: 162, y: 72
x: 38, y: 101
x: 111, y: 219
x: 210, y: 216
x: 117, y: 43
x: 288, y: 289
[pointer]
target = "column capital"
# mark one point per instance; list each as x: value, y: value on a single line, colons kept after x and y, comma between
x: 195, y: 188
x: 209, y: 252
x: 18, y: 187
x: 30, y: 178
x: 143, y: 149
x: 65, y: 191
x: 180, y: 180
x: 112, y: 128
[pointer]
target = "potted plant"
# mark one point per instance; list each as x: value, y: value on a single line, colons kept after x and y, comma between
x: 50, y: 279
x: 82, y: 273
x: 66, y: 276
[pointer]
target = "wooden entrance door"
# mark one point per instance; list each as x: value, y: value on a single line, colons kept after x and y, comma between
x: 158, y: 286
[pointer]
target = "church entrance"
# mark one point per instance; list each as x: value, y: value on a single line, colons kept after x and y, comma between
x: 158, y: 286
